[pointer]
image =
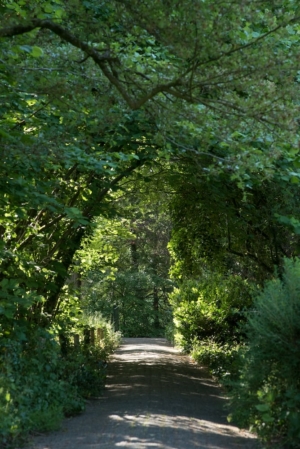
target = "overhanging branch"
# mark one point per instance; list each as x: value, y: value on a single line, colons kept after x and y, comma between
x: 101, y: 59
x: 106, y: 59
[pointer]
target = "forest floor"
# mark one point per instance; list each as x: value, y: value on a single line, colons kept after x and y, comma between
x: 155, y: 398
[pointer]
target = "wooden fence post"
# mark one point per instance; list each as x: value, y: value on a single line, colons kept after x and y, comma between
x: 76, y: 340
x: 92, y: 337
x: 100, y: 334
x: 86, y: 336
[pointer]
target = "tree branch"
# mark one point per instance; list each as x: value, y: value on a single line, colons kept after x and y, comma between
x: 103, y: 59
x: 88, y: 211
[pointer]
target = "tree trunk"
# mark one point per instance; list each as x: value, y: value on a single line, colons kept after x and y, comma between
x: 156, y: 308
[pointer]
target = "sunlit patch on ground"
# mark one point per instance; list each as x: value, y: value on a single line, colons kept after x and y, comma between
x: 155, y: 398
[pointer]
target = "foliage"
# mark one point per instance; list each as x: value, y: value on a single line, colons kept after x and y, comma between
x: 46, y: 218
x: 124, y: 266
x: 218, y: 225
x: 39, y: 384
x: 110, y: 339
x: 128, y: 300
x: 267, y: 396
x: 93, y: 92
x: 210, y: 307
x: 34, y: 392
x: 213, y: 55
x: 222, y: 359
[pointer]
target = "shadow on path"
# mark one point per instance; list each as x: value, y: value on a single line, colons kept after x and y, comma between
x: 155, y: 398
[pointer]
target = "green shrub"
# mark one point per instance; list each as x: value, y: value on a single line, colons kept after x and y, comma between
x: 39, y: 384
x: 267, y: 396
x: 33, y: 391
x: 84, y: 367
x: 110, y: 339
x: 222, y: 359
x: 170, y: 332
x: 46, y: 419
x: 209, y: 308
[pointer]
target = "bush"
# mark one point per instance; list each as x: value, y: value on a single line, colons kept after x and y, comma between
x: 223, y: 360
x: 209, y: 308
x: 267, y: 396
x: 33, y: 392
x: 40, y: 383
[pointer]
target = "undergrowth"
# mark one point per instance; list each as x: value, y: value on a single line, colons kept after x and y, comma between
x: 260, y: 366
x: 40, y: 383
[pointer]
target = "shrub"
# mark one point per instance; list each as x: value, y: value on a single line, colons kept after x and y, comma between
x: 267, y: 396
x: 209, y: 308
x: 39, y: 384
x: 33, y: 392
x: 222, y: 359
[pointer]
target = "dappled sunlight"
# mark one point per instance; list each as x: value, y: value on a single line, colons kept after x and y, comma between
x: 147, y: 351
x: 174, y: 431
x: 155, y: 397
x: 176, y: 422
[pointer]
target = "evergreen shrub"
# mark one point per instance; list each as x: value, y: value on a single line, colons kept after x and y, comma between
x: 267, y: 395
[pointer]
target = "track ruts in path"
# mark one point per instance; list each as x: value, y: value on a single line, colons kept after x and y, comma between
x: 155, y: 398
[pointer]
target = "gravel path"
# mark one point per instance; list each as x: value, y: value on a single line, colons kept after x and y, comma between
x: 156, y: 398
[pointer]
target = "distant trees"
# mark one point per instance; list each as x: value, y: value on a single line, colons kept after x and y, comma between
x: 125, y: 268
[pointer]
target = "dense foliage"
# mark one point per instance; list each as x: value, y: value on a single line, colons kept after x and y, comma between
x: 40, y: 383
x: 199, y: 100
x: 124, y: 268
x: 210, y: 308
x: 268, y: 392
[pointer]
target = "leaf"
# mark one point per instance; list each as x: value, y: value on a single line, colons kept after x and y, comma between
x: 267, y: 418
x: 59, y: 13
x: 36, y: 52
x: 48, y: 8
x: 263, y: 407
x: 4, y: 134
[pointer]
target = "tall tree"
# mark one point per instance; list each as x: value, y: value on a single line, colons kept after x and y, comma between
x: 125, y: 264
x: 91, y: 92
x: 218, y: 225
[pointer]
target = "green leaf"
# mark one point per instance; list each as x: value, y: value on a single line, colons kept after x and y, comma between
x: 267, y: 418
x: 4, y: 134
x: 36, y: 52
x: 263, y: 407
x: 59, y: 13
x: 48, y: 8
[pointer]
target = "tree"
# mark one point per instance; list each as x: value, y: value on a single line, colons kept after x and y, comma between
x: 95, y: 91
x: 94, y: 95
x: 219, y: 226
x: 125, y: 266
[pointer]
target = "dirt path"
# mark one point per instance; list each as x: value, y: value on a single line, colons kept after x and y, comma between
x: 156, y: 398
